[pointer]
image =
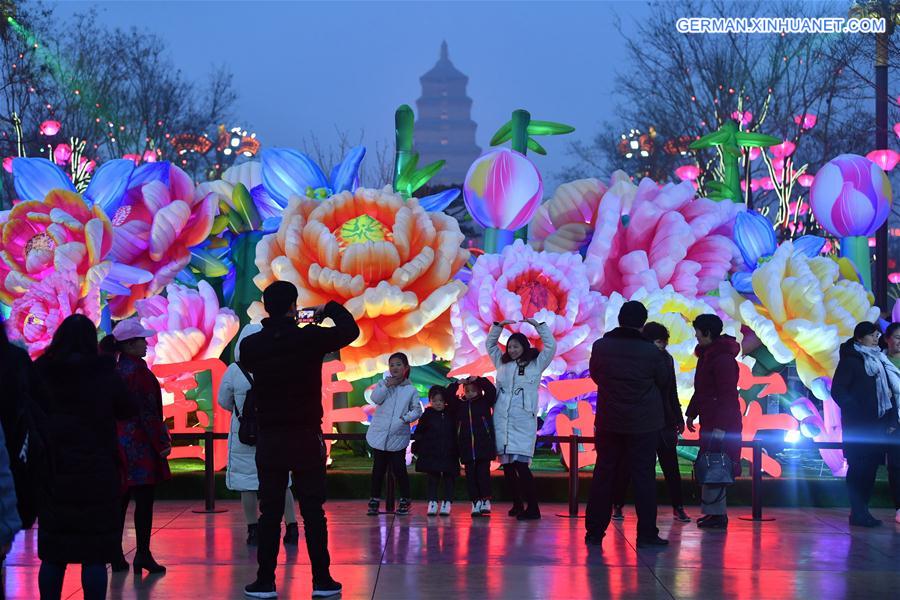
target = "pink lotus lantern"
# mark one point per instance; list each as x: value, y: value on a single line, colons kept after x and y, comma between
x: 150, y: 156
x: 135, y: 158
x: 754, y: 153
x: 7, y: 164
x: 62, y: 154
x: 688, y: 172
x: 88, y: 165
x: 897, y: 129
x: 502, y: 191
x: 783, y: 150
x: 894, y: 277
x: 50, y: 127
x: 806, y: 121
x: 886, y: 159
x: 742, y: 118
x: 805, y: 180
x: 851, y: 198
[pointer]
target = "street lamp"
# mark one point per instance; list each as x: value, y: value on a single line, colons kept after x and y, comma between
x: 889, y: 10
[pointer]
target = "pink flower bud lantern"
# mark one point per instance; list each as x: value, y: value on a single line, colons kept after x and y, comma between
x: 851, y: 198
x: 502, y: 191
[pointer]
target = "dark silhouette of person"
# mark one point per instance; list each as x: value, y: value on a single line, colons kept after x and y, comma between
x: 286, y: 364
x: 629, y: 371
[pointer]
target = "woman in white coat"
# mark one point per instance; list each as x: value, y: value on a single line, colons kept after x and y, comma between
x: 240, y: 475
x: 398, y: 405
x: 519, y: 372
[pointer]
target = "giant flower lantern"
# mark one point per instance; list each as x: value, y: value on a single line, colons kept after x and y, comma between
x: 189, y: 324
x: 649, y: 237
x: 522, y: 283
x: 566, y: 222
x: 156, y: 224
x: 804, y: 311
x: 676, y: 313
x: 851, y: 198
x: 59, y: 234
x: 502, y: 191
x: 38, y: 312
x: 388, y: 261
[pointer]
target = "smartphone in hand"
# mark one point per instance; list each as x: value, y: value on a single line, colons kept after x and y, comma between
x: 306, y: 316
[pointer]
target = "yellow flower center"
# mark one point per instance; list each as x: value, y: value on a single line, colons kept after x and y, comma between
x: 362, y: 229
x: 41, y: 241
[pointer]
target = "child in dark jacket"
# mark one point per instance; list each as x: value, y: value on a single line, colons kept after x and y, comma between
x: 435, y: 449
x: 475, y: 427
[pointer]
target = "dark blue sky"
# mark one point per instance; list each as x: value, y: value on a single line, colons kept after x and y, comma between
x: 306, y: 67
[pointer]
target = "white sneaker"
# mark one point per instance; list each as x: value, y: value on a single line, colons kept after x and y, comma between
x: 486, y: 507
x: 477, y: 508
x: 445, y: 508
x: 897, y: 516
x: 432, y: 508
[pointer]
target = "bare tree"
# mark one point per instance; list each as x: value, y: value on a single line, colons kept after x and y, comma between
x: 377, y: 167
x: 117, y: 91
x: 678, y: 87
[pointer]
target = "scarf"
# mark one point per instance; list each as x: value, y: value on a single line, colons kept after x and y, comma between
x: 887, y: 377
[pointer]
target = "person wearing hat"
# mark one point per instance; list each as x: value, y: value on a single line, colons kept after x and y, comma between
x: 629, y: 371
x: 285, y: 362
x: 144, y: 440
x: 866, y: 386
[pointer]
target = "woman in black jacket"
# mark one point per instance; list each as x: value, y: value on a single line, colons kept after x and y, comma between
x: 866, y: 386
x: 435, y: 449
x: 80, y: 500
x: 475, y: 437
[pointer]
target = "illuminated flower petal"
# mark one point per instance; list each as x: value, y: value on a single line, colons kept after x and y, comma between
x: 289, y: 173
x: 521, y: 282
x: 159, y: 221
x: 34, y: 178
x: 37, y: 313
x: 60, y: 233
x: 648, y: 236
x: 189, y: 324
x: 387, y: 260
x: 804, y: 311
x: 108, y: 184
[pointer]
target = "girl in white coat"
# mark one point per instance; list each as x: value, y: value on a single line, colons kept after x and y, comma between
x: 398, y: 406
x: 519, y: 372
x: 240, y: 475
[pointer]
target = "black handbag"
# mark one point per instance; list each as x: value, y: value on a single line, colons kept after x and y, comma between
x: 714, y: 468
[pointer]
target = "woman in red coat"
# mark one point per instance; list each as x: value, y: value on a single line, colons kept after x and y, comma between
x: 144, y: 440
x: 716, y: 402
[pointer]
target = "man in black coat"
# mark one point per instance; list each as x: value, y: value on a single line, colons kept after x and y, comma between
x: 286, y: 364
x: 629, y: 371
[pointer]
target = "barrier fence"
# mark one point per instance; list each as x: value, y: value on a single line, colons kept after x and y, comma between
x: 207, y: 437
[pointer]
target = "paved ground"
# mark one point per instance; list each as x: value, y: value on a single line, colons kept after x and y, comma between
x: 804, y: 553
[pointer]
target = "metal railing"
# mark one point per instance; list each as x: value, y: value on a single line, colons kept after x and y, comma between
x: 208, y: 437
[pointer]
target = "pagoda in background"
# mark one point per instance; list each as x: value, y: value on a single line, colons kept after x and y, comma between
x: 444, y: 128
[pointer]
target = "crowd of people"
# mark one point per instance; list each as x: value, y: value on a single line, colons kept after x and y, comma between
x: 83, y: 434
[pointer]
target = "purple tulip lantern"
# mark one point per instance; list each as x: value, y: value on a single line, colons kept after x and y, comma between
x: 851, y: 198
x: 502, y: 191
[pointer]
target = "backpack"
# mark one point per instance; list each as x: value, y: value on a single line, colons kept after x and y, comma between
x: 247, y: 430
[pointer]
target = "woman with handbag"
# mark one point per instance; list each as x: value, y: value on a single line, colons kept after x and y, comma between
x: 866, y: 386
x: 240, y: 474
x: 716, y: 402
